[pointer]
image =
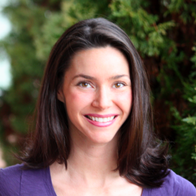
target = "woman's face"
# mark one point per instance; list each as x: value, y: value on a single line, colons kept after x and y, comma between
x: 97, y: 94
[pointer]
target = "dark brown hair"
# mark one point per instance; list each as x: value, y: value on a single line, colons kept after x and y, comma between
x: 142, y: 160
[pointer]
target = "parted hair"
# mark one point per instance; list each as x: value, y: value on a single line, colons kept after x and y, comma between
x: 142, y: 159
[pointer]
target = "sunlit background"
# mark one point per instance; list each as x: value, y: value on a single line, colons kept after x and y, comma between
x: 5, y: 27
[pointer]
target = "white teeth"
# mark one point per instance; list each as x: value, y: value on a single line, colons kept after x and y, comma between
x: 101, y: 119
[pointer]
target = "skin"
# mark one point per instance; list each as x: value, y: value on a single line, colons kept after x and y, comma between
x: 97, y: 84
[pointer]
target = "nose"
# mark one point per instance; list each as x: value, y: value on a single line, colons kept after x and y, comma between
x: 103, y: 98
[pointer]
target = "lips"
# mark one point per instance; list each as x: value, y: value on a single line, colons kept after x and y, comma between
x: 101, y: 120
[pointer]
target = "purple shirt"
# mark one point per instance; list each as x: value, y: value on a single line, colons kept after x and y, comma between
x: 37, y: 182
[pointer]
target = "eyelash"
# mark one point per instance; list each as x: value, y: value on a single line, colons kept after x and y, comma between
x: 83, y: 82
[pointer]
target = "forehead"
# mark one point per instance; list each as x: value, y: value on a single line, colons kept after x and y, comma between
x: 103, y: 60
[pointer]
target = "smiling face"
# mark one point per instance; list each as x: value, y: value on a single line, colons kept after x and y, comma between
x: 97, y: 94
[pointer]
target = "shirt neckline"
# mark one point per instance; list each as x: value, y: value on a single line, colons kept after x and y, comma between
x: 53, y: 193
x: 49, y: 182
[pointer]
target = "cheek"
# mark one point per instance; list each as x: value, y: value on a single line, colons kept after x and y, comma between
x: 77, y: 100
x: 124, y: 100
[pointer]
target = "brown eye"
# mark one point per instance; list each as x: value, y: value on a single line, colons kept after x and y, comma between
x: 118, y: 85
x: 84, y: 85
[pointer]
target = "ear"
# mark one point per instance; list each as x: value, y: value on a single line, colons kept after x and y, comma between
x: 60, y: 96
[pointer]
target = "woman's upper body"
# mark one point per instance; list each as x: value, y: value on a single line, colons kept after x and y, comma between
x: 95, y: 96
x: 15, y: 181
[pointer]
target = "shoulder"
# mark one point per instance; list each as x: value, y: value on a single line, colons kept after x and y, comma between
x: 10, y: 178
x: 16, y: 180
x: 180, y: 186
x: 174, y: 185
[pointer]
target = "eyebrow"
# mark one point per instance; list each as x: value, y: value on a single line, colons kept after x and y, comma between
x: 92, y: 78
x: 119, y: 76
x: 84, y: 76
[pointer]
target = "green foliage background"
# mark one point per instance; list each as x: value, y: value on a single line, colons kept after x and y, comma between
x: 162, y: 31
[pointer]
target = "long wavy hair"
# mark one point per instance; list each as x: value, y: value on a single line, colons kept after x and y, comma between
x: 142, y: 158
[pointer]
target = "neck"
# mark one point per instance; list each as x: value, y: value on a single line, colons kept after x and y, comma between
x: 93, y: 162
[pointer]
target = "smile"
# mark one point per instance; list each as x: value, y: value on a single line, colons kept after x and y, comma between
x: 98, y: 119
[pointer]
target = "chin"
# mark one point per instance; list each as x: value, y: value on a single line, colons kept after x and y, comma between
x: 104, y: 139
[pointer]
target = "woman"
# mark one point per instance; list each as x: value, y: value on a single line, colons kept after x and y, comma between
x: 94, y: 127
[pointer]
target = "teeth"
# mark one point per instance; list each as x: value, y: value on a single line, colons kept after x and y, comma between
x: 101, y: 119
